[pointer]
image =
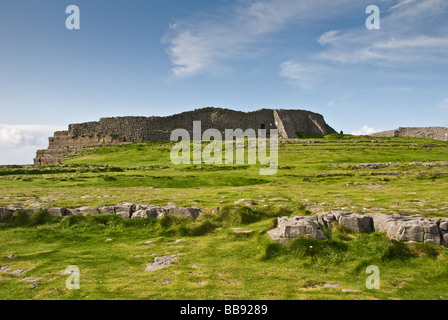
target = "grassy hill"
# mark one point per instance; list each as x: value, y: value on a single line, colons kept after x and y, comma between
x: 362, y: 174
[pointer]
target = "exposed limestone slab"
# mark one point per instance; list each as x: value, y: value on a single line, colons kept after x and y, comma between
x: 289, y: 228
x: 161, y: 262
x: 124, y: 209
x: 406, y: 228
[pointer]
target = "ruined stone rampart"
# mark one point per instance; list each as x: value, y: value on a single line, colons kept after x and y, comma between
x: 119, y: 130
x: 436, y: 133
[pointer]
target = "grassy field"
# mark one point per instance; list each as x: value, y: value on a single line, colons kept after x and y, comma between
x: 213, y: 261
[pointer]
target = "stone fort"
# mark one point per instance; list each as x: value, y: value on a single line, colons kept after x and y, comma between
x: 121, y: 130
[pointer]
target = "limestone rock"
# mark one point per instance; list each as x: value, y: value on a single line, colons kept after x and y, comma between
x: 106, y: 209
x: 192, y: 213
x: 58, y: 211
x: 289, y: 228
x: 124, y: 209
x: 148, y: 212
x: 82, y: 210
x: 400, y: 227
x: 444, y: 232
x: 161, y: 262
x: 356, y: 222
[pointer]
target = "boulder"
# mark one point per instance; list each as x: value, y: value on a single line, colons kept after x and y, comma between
x: 191, y: 213
x: 124, y: 209
x: 408, y: 228
x: 147, y: 212
x: 356, y: 222
x: 289, y: 228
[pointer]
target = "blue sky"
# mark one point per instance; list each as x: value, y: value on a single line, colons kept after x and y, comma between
x: 154, y: 57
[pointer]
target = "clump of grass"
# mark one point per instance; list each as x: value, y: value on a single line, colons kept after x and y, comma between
x: 72, y: 220
x: 397, y: 251
x: 41, y: 217
x: 273, y: 250
x: 104, y: 219
x: 304, y: 247
x: 20, y: 218
x: 109, y: 178
x: 426, y: 250
x: 170, y: 220
x: 196, y: 229
x: 338, y: 231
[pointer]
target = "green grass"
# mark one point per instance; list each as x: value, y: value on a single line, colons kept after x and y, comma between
x: 214, y: 262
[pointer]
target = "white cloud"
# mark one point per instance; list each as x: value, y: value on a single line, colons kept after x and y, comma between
x: 304, y: 75
x: 205, y: 45
x: 329, y: 37
x: 19, y: 143
x: 365, y: 131
x: 25, y: 135
x: 410, y: 33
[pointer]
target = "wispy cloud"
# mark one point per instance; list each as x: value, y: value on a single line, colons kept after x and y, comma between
x: 204, y: 45
x: 305, y: 76
x: 410, y: 32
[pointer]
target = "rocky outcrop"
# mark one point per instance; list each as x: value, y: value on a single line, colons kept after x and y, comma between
x: 121, y: 130
x: 126, y: 210
x: 435, y: 133
x: 406, y: 228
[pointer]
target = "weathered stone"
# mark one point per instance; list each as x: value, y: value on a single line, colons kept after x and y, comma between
x: 4, y: 268
x: 326, y: 220
x: 406, y: 228
x: 356, y: 222
x: 82, y: 211
x: 58, y: 211
x: 444, y: 232
x: 124, y: 209
x: 148, y: 212
x: 191, y: 213
x: 106, y: 209
x: 289, y: 228
x: 161, y: 262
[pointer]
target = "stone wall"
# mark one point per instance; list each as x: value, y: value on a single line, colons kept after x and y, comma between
x: 110, y: 131
x: 436, y: 133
